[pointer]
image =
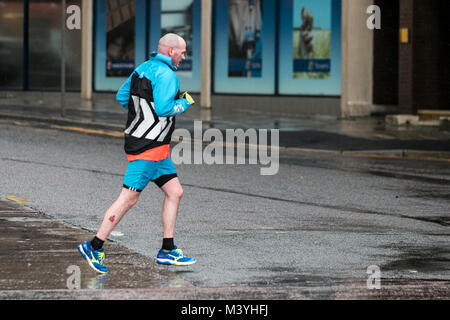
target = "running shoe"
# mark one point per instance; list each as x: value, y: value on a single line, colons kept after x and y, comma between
x: 174, y: 257
x: 94, y: 257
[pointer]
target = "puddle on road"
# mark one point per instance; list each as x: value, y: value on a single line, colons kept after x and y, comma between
x: 442, y: 220
x: 422, y: 259
x: 428, y: 192
x: 292, y: 277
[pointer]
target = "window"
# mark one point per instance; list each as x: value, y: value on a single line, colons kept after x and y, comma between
x: 11, y: 44
x: 245, y: 46
x: 310, y: 47
x: 44, y: 64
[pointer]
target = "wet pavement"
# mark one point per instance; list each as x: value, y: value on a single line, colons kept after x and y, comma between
x: 38, y: 260
x: 38, y: 251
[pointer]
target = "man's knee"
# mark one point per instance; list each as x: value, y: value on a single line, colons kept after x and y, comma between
x: 129, y: 198
x: 175, y: 193
x: 180, y: 193
x: 132, y: 201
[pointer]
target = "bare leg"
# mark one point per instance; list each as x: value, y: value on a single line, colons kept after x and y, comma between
x: 173, y: 193
x: 126, y: 200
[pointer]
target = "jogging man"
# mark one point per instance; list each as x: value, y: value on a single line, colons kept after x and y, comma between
x: 151, y: 95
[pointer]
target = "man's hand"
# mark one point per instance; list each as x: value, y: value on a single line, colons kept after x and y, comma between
x: 188, y: 97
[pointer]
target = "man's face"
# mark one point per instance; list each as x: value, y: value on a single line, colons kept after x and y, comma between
x: 178, y: 54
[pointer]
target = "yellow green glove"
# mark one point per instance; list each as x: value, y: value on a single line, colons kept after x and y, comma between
x: 188, y: 97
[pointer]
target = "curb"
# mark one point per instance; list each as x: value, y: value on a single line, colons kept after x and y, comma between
x: 63, y: 121
x: 113, y: 130
x: 401, y: 154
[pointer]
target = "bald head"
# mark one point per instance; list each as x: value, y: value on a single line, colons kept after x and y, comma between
x: 170, y: 40
x: 173, y: 46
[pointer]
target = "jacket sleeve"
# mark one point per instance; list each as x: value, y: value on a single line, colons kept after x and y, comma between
x: 165, y: 91
x: 123, y: 95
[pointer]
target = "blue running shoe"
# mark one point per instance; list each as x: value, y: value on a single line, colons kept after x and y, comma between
x: 174, y: 257
x: 94, y: 257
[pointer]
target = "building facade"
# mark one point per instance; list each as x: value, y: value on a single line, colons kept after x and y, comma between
x: 306, y: 56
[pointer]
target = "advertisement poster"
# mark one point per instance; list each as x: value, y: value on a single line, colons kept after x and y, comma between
x: 120, y: 39
x: 311, y: 39
x: 244, y: 38
x: 177, y: 17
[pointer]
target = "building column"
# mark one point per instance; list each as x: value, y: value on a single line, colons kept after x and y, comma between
x: 205, y: 94
x: 357, y: 59
x: 87, y: 30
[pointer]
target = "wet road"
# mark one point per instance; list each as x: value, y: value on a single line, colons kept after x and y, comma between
x: 322, y: 218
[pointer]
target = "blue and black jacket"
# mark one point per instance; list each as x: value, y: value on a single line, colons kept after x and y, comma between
x: 152, y: 96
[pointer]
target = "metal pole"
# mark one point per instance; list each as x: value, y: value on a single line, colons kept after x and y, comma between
x: 205, y: 94
x: 25, y: 61
x: 87, y: 10
x: 63, y: 58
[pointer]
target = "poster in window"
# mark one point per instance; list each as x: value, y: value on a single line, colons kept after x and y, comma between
x: 312, y: 39
x: 244, y: 38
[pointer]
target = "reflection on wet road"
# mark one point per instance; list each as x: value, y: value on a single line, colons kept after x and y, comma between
x: 322, y: 219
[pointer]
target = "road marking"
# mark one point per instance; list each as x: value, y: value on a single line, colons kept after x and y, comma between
x: 17, y: 199
x: 117, y: 134
x: 17, y: 123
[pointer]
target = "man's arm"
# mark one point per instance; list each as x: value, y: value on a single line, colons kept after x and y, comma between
x: 165, y: 90
x: 123, y: 95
